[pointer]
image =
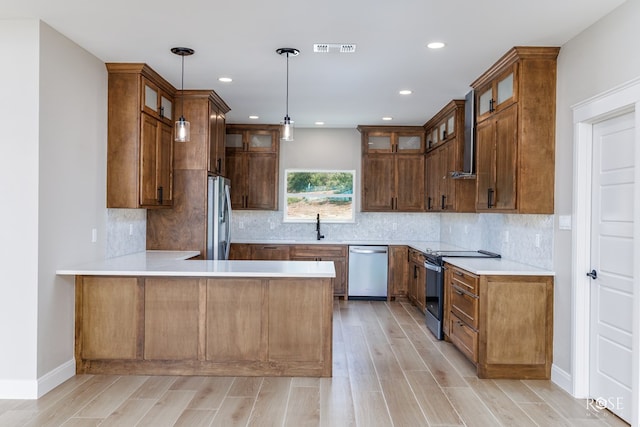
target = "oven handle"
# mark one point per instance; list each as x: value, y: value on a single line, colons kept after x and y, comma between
x: 432, y: 267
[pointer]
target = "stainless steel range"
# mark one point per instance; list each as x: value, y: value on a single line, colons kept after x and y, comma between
x: 434, y: 292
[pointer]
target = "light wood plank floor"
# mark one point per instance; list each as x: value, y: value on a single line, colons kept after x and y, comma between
x: 388, y: 371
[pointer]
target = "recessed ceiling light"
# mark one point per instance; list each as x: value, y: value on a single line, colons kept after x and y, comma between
x: 386, y: 119
x: 254, y: 117
x: 405, y: 92
x: 225, y: 79
x: 319, y: 123
x: 435, y: 45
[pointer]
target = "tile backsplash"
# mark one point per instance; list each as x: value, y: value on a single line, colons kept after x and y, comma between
x: 523, y: 238
x: 126, y: 231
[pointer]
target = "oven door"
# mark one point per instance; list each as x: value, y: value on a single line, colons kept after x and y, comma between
x: 434, y: 295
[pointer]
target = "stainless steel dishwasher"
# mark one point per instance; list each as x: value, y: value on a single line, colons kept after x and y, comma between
x: 368, y: 272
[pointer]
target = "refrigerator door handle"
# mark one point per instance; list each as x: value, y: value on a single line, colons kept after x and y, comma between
x: 227, y: 198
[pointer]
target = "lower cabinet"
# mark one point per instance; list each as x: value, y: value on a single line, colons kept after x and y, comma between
x: 417, y: 279
x: 502, y: 323
x: 335, y: 253
x: 398, y: 271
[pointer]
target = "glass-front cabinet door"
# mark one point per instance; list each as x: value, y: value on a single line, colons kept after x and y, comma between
x: 166, y: 108
x: 498, y: 94
x: 410, y: 143
x: 379, y: 143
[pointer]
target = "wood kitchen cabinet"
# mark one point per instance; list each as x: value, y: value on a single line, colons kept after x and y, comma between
x: 393, y: 168
x: 417, y: 279
x: 335, y: 253
x: 139, y: 137
x: 515, y: 113
x: 252, y: 153
x: 185, y: 226
x: 398, y: 271
x: 445, y: 155
x: 502, y: 323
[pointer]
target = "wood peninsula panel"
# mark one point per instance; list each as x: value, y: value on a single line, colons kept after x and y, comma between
x: 204, y: 326
x: 236, y: 315
x: 108, y: 317
x: 171, y: 314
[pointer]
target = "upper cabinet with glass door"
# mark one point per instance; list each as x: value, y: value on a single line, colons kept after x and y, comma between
x: 156, y: 102
x: 498, y: 94
x: 392, y: 139
x: 254, y: 138
x: 441, y: 128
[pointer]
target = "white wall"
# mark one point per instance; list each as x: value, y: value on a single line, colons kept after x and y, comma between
x: 19, y: 214
x: 53, y: 193
x: 598, y: 59
x: 72, y: 188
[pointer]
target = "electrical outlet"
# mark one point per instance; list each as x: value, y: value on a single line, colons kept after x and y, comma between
x: 94, y: 235
x: 241, y: 225
x: 506, y: 237
x: 130, y: 229
x: 466, y: 229
x: 537, y: 240
x: 272, y: 225
x: 394, y: 226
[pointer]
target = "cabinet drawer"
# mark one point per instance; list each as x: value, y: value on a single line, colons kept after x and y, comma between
x: 270, y: 252
x: 464, y: 280
x: 318, y: 251
x: 464, y: 338
x: 464, y: 306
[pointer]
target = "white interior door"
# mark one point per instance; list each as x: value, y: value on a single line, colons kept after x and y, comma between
x: 612, y: 247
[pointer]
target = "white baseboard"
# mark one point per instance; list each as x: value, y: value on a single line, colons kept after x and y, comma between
x: 56, y: 377
x: 34, y: 389
x: 562, y: 379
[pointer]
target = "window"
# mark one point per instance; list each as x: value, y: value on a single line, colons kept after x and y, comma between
x: 312, y: 192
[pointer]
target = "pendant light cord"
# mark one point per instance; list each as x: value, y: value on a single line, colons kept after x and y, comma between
x: 287, y: 84
x: 182, y: 89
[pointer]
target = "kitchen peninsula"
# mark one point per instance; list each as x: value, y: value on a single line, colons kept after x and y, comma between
x: 158, y: 313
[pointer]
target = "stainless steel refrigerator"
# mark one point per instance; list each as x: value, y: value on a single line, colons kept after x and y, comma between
x: 218, y: 218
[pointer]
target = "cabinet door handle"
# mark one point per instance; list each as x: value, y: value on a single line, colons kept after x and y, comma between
x: 457, y: 273
x: 444, y: 134
x: 459, y: 292
x: 161, y: 111
x: 429, y: 203
x: 490, y: 192
x: 442, y: 203
x: 219, y: 165
x: 491, y: 106
x: 160, y: 191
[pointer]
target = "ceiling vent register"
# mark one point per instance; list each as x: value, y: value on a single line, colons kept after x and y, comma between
x: 334, y: 48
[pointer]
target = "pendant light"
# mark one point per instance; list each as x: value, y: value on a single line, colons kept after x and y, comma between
x: 286, y: 131
x: 182, y: 127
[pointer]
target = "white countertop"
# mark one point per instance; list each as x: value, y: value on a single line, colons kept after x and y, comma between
x: 497, y: 266
x: 177, y: 264
x: 480, y: 266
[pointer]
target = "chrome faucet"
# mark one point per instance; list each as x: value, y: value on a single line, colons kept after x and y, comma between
x: 320, y: 236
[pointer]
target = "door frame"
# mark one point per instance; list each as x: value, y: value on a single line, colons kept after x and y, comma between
x: 614, y: 102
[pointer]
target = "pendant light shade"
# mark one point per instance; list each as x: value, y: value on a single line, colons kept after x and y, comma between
x: 286, y: 131
x: 182, y: 127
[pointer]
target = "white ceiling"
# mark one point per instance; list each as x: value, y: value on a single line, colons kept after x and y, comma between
x: 238, y: 39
